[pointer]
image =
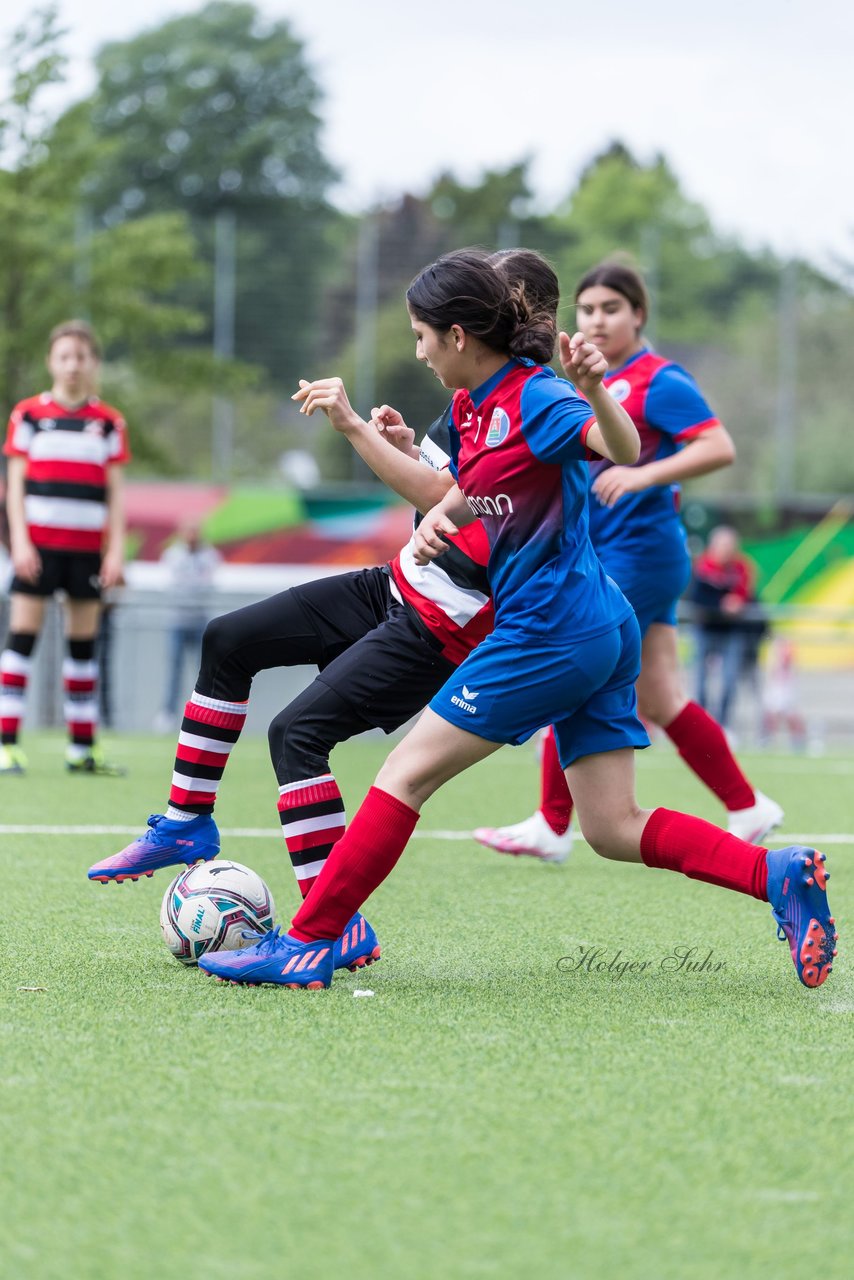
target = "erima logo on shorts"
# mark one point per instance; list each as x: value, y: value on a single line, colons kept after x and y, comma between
x: 498, y: 430
x: 465, y: 703
x: 620, y: 390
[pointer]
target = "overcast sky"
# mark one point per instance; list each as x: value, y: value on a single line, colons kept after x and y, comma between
x: 752, y: 101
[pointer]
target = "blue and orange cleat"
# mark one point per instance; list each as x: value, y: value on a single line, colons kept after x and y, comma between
x: 165, y: 844
x: 797, y: 891
x: 357, y: 946
x: 277, y: 958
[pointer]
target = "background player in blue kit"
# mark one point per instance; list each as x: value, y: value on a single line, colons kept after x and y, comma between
x: 565, y: 648
x: 638, y: 535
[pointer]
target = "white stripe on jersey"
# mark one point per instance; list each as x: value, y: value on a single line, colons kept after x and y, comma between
x: 64, y: 513
x: 461, y: 604
x: 12, y: 701
x: 69, y: 446
x: 433, y: 455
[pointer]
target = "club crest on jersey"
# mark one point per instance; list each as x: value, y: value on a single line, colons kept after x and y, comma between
x: 498, y: 430
x: 620, y: 390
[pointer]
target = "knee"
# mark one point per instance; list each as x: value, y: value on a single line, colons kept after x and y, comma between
x: 298, y: 746
x: 217, y: 639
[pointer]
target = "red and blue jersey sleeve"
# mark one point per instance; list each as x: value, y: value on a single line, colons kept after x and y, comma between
x: 675, y: 406
x: 555, y: 419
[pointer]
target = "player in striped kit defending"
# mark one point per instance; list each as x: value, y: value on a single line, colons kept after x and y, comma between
x: 66, y: 524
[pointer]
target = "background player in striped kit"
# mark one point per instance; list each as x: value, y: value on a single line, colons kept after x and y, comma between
x: 66, y: 524
x: 638, y: 536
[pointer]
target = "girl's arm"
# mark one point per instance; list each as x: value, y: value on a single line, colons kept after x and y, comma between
x: 613, y: 435
x: 419, y: 485
x: 113, y: 563
x: 25, y: 558
x: 444, y: 521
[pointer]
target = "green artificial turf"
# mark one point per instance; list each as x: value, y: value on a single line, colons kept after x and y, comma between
x: 488, y: 1112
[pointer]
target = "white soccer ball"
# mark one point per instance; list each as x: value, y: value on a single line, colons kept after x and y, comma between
x: 211, y: 907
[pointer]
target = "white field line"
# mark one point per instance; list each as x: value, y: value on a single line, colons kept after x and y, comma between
x: 271, y: 833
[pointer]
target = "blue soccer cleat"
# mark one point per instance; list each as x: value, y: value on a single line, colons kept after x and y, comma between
x: 797, y: 891
x: 165, y: 844
x: 277, y: 958
x: 357, y: 946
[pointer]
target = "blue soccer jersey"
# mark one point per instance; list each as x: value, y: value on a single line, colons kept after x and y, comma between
x: 668, y: 409
x: 519, y: 456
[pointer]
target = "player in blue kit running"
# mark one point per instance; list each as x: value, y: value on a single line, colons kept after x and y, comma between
x: 638, y: 535
x: 565, y: 648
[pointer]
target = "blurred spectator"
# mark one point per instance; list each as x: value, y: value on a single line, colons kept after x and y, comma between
x: 727, y: 627
x: 192, y: 564
x: 780, y: 697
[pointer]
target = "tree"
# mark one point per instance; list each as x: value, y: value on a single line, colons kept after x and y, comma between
x: 55, y: 264
x: 215, y: 111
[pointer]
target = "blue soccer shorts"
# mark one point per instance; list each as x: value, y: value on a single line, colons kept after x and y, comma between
x: 651, y: 578
x: 511, y: 686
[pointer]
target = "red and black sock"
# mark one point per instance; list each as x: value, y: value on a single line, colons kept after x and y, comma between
x: 80, y: 690
x: 15, y: 668
x: 312, y: 816
x: 208, y: 733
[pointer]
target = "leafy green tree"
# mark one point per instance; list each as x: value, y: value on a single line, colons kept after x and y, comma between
x: 698, y: 279
x: 123, y: 277
x: 212, y: 111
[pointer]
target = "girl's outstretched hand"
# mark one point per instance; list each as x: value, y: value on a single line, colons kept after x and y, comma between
x: 583, y: 363
x: 329, y: 395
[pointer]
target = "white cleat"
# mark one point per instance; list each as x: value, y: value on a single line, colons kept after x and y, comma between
x: 533, y: 838
x: 757, y: 822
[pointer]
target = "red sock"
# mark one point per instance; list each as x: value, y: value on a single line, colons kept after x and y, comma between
x: 678, y: 842
x: 702, y: 744
x: 555, y: 798
x: 359, y: 862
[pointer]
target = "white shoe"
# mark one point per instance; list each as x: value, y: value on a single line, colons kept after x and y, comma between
x: 755, y: 823
x: 533, y: 837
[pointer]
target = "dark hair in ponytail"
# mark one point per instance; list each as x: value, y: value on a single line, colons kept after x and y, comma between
x: 536, y: 291
x: 620, y: 277
x: 508, y: 307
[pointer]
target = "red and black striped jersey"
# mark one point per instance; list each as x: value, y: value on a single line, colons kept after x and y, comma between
x: 68, y: 452
x: 450, y: 595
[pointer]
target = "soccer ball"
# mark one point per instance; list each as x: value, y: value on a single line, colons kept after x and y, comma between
x: 211, y: 906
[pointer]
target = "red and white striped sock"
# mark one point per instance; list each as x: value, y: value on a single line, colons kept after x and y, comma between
x: 80, y: 690
x: 15, y: 666
x: 555, y: 797
x: 208, y: 732
x: 312, y: 816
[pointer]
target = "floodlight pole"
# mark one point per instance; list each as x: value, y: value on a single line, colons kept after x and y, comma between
x: 222, y: 424
x: 787, y: 381
x: 365, y: 340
